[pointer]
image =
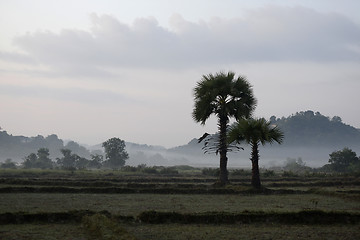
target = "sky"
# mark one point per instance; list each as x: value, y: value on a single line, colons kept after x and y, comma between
x: 91, y: 70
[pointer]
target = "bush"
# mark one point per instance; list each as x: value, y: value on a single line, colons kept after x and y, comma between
x: 129, y: 169
x: 8, y: 164
x: 168, y: 171
x: 240, y: 172
x: 289, y: 174
x: 214, y: 172
x: 150, y: 170
x: 100, y: 226
x: 268, y: 173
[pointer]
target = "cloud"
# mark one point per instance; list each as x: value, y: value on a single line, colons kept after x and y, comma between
x: 81, y: 95
x: 16, y: 58
x: 265, y: 34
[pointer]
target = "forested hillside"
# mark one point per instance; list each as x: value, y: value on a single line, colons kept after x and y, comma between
x: 309, y: 129
x: 17, y: 147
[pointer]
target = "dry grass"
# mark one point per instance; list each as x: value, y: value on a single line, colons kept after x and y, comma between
x: 134, y: 204
x: 42, y: 232
x: 186, y: 232
x: 247, y: 231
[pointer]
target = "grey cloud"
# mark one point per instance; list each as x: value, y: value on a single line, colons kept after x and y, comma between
x: 266, y: 34
x: 66, y: 94
x: 16, y: 57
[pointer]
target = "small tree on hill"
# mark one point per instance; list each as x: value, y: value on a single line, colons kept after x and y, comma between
x: 115, y: 153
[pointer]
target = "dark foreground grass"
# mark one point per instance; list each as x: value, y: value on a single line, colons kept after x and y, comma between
x: 313, y: 217
x: 183, y: 232
x: 247, y: 231
x: 42, y: 232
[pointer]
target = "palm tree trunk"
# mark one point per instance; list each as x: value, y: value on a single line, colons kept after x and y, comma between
x: 255, y: 180
x: 223, y: 150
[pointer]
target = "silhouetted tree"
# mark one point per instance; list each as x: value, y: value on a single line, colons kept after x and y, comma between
x: 224, y: 96
x: 340, y: 161
x: 96, y: 161
x: 30, y: 161
x: 115, y: 153
x: 8, y: 164
x: 43, y: 159
x: 254, y: 132
x: 68, y: 161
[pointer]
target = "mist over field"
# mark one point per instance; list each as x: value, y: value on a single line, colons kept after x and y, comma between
x: 309, y: 136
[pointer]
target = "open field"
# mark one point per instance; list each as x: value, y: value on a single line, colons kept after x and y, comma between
x: 112, y: 205
x: 134, y: 204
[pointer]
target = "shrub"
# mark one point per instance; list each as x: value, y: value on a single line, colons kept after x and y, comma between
x: 214, y: 172
x: 268, y: 173
x: 169, y: 171
x: 129, y: 169
x: 150, y: 170
x: 240, y: 172
x: 100, y: 226
x: 289, y: 174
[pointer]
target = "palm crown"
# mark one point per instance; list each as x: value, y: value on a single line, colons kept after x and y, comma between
x: 223, y: 96
x: 255, y: 131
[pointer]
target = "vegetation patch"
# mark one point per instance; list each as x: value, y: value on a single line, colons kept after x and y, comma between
x: 302, y: 217
x: 101, y: 227
x: 59, y: 217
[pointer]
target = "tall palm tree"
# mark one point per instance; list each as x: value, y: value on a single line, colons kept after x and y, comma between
x: 225, y: 96
x: 254, y: 132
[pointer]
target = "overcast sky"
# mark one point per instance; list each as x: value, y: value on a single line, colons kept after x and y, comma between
x: 91, y: 70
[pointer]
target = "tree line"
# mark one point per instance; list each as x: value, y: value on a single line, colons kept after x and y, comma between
x: 115, y: 157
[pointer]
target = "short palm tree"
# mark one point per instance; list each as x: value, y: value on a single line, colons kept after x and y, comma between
x: 254, y: 132
x: 224, y: 96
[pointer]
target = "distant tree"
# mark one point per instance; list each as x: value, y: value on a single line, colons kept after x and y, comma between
x: 224, y: 96
x: 254, y: 132
x: 296, y: 165
x: 340, y: 161
x: 336, y: 119
x: 77, y: 149
x: 68, y: 161
x: 273, y: 119
x: 30, y: 161
x: 39, y: 160
x: 96, y: 161
x: 115, y: 153
x: 8, y: 164
x: 82, y: 163
x: 43, y: 159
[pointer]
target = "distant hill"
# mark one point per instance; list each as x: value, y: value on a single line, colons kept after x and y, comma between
x: 309, y: 129
x: 18, y: 147
x: 308, y: 135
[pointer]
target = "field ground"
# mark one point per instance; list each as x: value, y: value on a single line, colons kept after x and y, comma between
x: 26, y: 197
x: 134, y: 204
x: 186, y: 232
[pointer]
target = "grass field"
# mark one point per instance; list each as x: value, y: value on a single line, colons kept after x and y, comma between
x: 27, y: 193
